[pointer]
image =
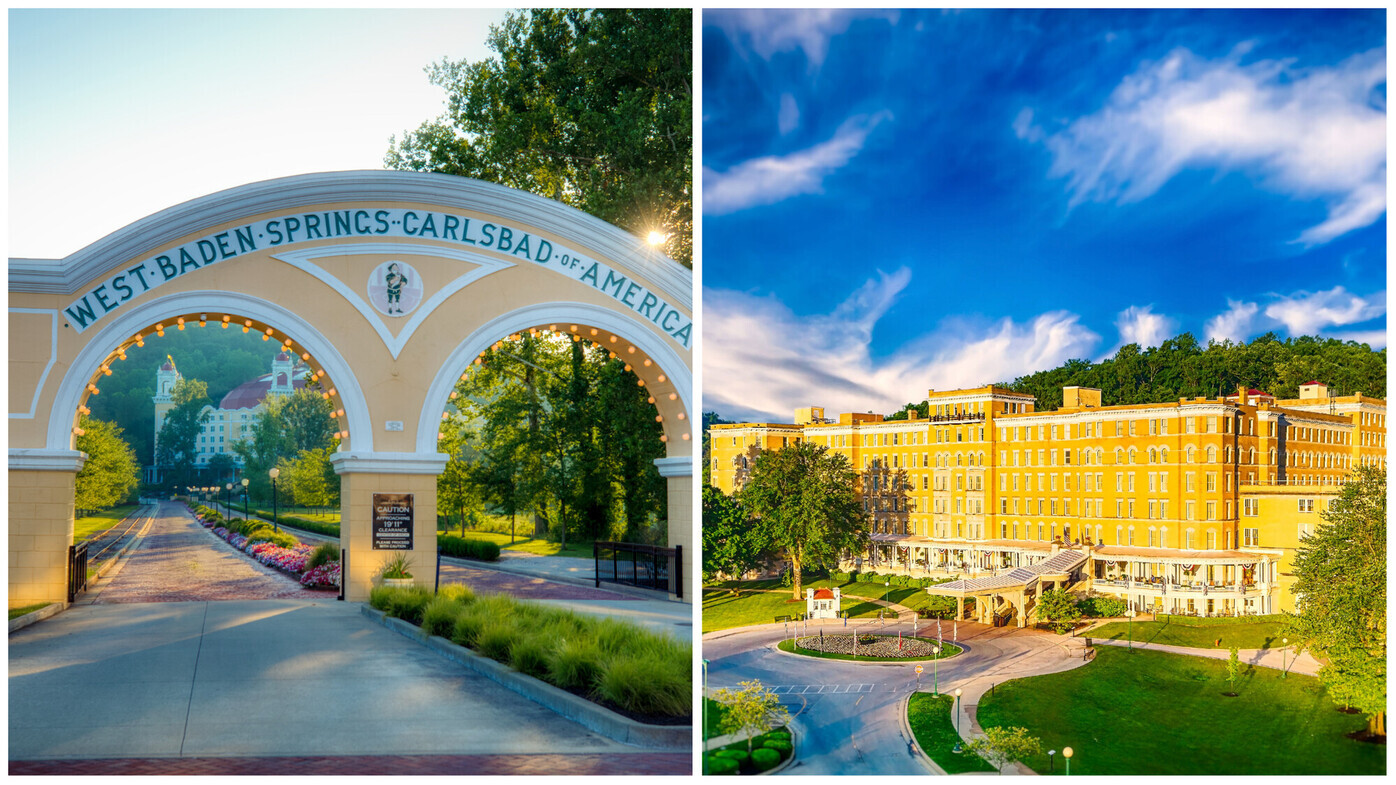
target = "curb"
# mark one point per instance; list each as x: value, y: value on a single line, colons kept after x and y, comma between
x: 675, y: 738
x: 904, y: 724
x: 33, y: 617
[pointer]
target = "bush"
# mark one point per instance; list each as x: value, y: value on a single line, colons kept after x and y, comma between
x: 324, y: 553
x: 712, y: 764
x: 782, y: 745
x: 765, y: 758
x: 529, y: 654
x: 496, y: 638
x: 467, y: 628
x: 330, y: 529
x: 648, y: 683
x: 575, y: 663
x: 840, y: 577
x: 265, y: 534
x: 439, y: 616
x: 739, y: 756
x: 461, y: 548
x: 1107, y: 607
x: 405, y: 604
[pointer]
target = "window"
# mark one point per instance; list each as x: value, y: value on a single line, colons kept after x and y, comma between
x: 1188, y: 510
x: 1250, y: 507
x: 1211, y: 511
x: 1306, y: 505
x: 1252, y: 537
x: 1211, y: 482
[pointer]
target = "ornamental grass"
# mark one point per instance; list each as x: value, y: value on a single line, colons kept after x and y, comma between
x: 605, y: 659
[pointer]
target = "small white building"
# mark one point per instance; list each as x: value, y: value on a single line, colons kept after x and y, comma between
x: 822, y: 603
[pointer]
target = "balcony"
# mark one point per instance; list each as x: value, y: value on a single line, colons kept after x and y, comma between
x: 968, y: 417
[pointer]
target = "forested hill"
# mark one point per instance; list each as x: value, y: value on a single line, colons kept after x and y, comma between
x: 1181, y: 368
x: 222, y: 358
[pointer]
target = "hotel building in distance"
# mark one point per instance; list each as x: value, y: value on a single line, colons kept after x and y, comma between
x: 1194, y: 506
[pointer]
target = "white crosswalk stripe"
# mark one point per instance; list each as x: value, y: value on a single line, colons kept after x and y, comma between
x: 822, y: 689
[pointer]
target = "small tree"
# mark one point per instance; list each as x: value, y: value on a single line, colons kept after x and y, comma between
x: 752, y: 710
x: 1059, y: 607
x: 1233, y: 669
x: 1001, y: 746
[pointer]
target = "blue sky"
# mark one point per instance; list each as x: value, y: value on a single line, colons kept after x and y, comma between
x: 117, y: 114
x: 894, y: 201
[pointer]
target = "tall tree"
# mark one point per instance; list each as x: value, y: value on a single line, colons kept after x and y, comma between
x: 728, y: 545
x: 286, y: 427
x: 110, y: 472
x: 591, y: 108
x: 1340, y: 589
x: 178, y: 444
x: 803, y: 498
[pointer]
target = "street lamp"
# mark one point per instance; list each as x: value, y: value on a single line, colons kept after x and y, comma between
x: 1284, y: 666
x: 935, y: 670
x: 1051, y: 761
x: 704, y: 751
x: 886, y: 588
x: 274, y: 473
x: 957, y: 749
x: 1066, y: 753
x: 228, y: 498
x: 1130, y: 614
x: 244, y: 498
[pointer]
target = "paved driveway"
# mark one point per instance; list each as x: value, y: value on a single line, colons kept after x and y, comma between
x: 848, y: 715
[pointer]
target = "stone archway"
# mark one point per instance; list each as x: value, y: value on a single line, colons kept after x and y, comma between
x: 303, y: 259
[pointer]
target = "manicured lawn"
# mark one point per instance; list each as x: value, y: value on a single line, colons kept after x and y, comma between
x: 15, y: 613
x: 1199, y: 632
x: 1151, y: 713
x: 763, y: 600
x: 946, y: 651
x: 933, y: 725
x: 87, y: 527
x: 575, y: 548
x: 722, y: 610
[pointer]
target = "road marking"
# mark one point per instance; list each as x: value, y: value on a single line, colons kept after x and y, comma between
x: 822, y: 689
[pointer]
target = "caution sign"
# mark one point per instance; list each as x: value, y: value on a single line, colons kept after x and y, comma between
x: 392, y: 521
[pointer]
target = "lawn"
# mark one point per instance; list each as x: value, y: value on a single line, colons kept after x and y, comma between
x: 1245, y: 633
x: 90, y: 526
x: 933, y: 726
x: 763, y: 600
x: 580, y: 549
x: 1155, y: 713
x: 947, y: 650
x: 15, y: 613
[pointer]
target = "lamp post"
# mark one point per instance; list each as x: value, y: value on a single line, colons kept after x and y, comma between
x: 957, y: 748
x: 886, y: 589
x: 244, y: 498
x: 274, y: 473
x: 1130, y: 614
x: 1051, y: 761
x: 228, y: 498
x: 1284, y: 663
x: 704, y: 751
x: 1066, y: 753
x: 935, y: 670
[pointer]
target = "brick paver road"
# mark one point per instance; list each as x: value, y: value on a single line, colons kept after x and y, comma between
x: 180, y: 560
x: 522, y: 586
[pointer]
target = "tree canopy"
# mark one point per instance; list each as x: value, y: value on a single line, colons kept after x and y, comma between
x: 804, y: 501
x: 1340, y: 589
x: 110, y: 472
x: 729, y: 547
x: 592, y: 108
x: 178, y: 444
x: 287, y: 428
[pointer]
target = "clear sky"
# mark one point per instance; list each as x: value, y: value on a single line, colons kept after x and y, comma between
x: 115, y: 115
x: 896, y: 201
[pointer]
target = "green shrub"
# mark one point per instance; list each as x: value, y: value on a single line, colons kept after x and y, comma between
x: 648, y: 683
x: 777, y: 735
x: 765, y: 758
x: 739, y: 756
x: 712, y: 764
x: 405, y: 604
x: 324, y: 553
x: 496, y: 638
x: 439, y: 616
x: 380, y: 598
x: 575, y: 663
x: 901, y: 580
x: 783, y: 745
x: 467, y: 628
x: 840, y: 577
x: 265, y: 534
x: 461, y: 548
x: 457, y: 592
x: 318, y: 527
x: 1107, y: 607
x: 529, y: 654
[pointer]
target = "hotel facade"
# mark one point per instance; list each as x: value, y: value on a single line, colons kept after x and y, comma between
x: 1194, y: 506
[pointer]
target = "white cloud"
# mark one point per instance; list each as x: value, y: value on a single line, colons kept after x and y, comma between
x: 1234, y: 324
x: 1305, y: 313
x: 761, y: 360
x: 789, y: 117
x: 1317, y: 133
x: 1144, y: 327
x: 769, y: 31
x: 772, y: 178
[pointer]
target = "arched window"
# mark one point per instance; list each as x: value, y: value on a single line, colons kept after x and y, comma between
x: 1153, y: 455
x: 1163, y: 455
x: 1133, y: 457
x: 1119, y: 455
x: 1191, y: 455
x: 1212, y: 455
x: 1250, y: 457
x: 1119, y: 533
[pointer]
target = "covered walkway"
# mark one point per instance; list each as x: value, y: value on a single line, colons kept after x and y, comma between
x: 1000, y: 595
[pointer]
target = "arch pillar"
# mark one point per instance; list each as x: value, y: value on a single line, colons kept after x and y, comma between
x: 677, y: 472
x: 41, y: 523
x: 364, y: 474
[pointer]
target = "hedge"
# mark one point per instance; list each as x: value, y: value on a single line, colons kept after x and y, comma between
x: 481, y: 550
x: 765, y: 758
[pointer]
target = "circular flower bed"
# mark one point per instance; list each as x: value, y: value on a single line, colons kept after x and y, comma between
x: 878, y: 646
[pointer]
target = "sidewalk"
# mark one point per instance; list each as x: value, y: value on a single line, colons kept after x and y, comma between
x: 1279, y: 659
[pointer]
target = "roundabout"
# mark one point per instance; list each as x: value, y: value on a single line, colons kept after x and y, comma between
x: 866, y: 647
x: 847, y: 717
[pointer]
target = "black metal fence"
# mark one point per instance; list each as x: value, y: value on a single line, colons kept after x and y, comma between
x: 77, y: 570
x: 645, y: 566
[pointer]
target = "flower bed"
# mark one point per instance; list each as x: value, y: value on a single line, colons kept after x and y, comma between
x: 874, y: 648
x: 290, y: 560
